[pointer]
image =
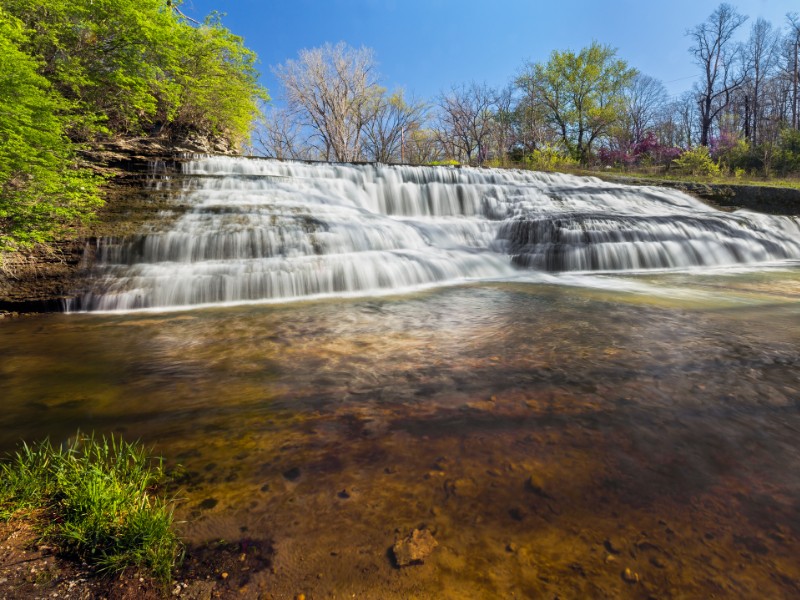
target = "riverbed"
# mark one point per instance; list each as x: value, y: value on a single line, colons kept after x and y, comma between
x: 596, y: 436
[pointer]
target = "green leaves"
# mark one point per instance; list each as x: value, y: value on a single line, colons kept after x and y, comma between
x: 582, y: 94
x: 81, y: 70
x: 42, y: 189
x: 97, y: 495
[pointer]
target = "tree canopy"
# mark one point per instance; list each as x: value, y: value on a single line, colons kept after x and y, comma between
x: 582, y: 93
x: 78, y: 71
x: 41, y: 189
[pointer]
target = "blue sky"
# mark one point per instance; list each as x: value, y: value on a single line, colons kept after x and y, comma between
x: 426, y: 46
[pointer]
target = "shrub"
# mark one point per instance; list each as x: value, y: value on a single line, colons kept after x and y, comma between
x: 549, y: 159
x: 97, y: 496
x: 787, y: 158
x: 697, y: 161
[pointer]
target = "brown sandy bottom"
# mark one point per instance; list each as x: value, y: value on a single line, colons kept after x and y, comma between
x: 556, y: 443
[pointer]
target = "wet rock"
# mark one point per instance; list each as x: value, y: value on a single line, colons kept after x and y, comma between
x: 198, y: 590
x: 464, y: 487
x: 630, y: 576
x: 292, y: 474
x: 414, y: 548
x: 536, y: 485
x: 441, y: 464
x: 518, y: 513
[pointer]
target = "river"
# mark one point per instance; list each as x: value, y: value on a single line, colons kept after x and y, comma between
x: 575, y: 434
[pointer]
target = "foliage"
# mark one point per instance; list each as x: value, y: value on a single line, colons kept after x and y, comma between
x: 582, y: 93
x: 697, y: 161
x: 218, y: 83
x: 97, y: 495
x: 42, y: 187
x: 787, y: 159
x: 649, y: 151
x: 730, y: 152
x: 549, y: 159
x: 76, y: 71
x: 140, y: 66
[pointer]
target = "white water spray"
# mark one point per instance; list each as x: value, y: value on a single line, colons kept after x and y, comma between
x: 261, y: 230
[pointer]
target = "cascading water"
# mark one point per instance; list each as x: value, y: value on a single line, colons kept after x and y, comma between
x: 259, y: 230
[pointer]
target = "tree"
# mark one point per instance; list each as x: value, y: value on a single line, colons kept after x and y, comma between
x: 716, y: 54
x: 465, y: 121
x: 391, y: 120
x: 42, y: 187
x: 794, y: 61
x: 74, y: 72
x: 532, y: 128
x: 277, y: 135
x: 760, y: 56
x: 643, y: 100
x: 217, y: 83
x: 332, y: 89
x: 504, y: 131
x: 133, y: 68
x: 581, y: 93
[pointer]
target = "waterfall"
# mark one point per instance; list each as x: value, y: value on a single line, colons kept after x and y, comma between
x: 260, y: 230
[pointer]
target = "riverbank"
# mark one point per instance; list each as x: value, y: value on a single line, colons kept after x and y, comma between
x: 42, y: 278
x: 768, y: 199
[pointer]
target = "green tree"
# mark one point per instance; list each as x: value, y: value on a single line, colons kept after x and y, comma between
x: 581, y: 93
x: 217, y: 82
x: 42, y: 188
x: 135, y: 68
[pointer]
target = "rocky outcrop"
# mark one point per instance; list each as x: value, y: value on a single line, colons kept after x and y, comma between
x: 40, y: 279
x: 725, y: 196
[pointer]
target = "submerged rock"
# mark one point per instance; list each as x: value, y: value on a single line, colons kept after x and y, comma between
x: 414, y: 548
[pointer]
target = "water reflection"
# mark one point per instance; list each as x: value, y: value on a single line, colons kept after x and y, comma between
x: 551, y: 437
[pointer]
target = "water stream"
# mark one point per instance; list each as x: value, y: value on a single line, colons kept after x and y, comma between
x: 265, y: 230
x: 507, y: 374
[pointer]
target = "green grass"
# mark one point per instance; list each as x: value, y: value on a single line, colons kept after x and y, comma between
x: 96, y: 498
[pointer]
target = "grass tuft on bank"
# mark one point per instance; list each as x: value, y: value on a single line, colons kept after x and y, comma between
x: 96, y: 500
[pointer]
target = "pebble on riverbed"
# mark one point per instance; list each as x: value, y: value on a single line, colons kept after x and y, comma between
x: 414, y: 548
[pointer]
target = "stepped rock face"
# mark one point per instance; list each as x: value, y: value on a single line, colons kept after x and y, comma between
x: 257, y: 230
x: 179, y: 232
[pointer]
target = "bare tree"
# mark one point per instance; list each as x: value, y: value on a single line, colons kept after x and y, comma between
x: 503, y: 130
x: 392, y: 120
x: 278, y: 135
x: 794, y: 52
x: 761, y: 54
x: 332, y: 89
x: 465, y: 120
x: 644, y: 101
x: 715, y: 52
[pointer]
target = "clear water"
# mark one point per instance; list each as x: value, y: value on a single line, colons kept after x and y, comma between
x: 570, y: 383
x: 656, y: 415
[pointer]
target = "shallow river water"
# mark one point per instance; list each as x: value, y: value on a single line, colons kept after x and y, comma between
x: 551, y: 436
